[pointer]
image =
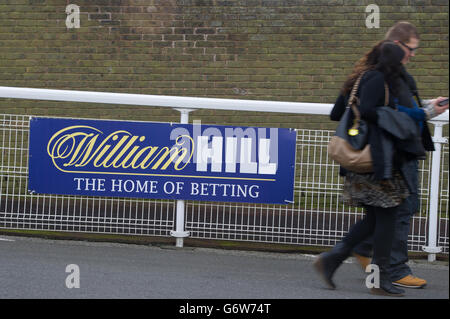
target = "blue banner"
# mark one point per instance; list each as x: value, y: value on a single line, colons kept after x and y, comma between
x: 161, y: 160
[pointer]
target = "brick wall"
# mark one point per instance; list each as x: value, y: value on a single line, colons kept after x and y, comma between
x: 286, y: 50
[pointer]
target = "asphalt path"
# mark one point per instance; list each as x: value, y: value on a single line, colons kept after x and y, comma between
x: 45, y: 269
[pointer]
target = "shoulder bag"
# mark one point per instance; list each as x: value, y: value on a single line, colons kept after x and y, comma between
x: 349, y: 146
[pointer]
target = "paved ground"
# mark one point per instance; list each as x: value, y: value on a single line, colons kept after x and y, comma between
x: 36, y: 268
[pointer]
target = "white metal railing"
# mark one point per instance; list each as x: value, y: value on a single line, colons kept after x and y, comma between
x: 316, y: 218
x: 175, y: 102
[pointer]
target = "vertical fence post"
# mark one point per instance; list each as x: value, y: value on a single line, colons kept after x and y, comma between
x: 179, y: 232
x: 433, y: 218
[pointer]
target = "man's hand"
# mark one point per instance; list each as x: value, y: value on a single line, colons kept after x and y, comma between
x: 439, y: 109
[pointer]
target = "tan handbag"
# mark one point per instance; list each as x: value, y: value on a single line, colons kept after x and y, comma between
x: 349, y: 147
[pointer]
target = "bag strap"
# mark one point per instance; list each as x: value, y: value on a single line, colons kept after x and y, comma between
x: 353, y: 98
x: 353, y: 101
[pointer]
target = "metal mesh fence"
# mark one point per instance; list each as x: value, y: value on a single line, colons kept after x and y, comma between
x: 317, y: 217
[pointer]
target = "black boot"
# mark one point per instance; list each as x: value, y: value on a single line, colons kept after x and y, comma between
x: 327, y: 263
x: 386, y: 287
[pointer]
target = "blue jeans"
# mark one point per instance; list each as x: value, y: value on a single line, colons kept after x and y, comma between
x: 404, y: 212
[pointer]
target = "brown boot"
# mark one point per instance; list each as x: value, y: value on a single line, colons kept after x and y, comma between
x: 410, y: 282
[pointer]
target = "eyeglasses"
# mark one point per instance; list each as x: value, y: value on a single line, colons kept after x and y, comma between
x: 412, y: 50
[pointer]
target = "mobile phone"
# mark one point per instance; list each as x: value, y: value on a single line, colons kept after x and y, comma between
x: 443, y: 102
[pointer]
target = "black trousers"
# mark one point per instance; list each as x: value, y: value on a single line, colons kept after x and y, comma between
x: 379, y: 223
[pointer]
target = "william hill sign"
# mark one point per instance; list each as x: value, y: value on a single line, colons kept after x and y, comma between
x: 161, y: 160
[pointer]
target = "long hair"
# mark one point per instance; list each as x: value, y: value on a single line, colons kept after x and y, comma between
x: 366, y: 63
x: 379, y: 58
x: 390, y: 64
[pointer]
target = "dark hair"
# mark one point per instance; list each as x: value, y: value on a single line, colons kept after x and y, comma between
x: 390, y: 64
x: 386, y: 57
x: 366, y: 63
